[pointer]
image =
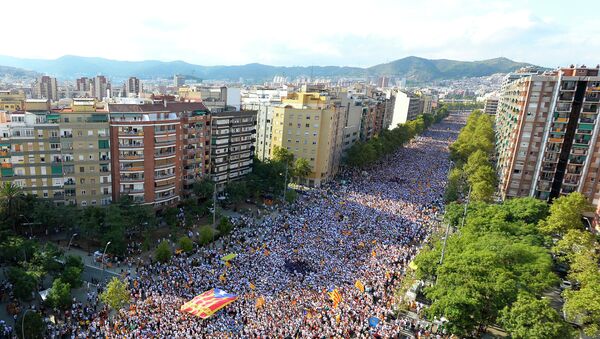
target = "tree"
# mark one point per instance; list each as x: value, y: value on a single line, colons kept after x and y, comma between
x: 24, y: 283
x: 236, y: 191
x: 203, y: 189
x: 456, y: 185
x: 225, y: 226
x: 302, y: 169
x: 59, y: 295
x: 206, y: 235
x: 116, y: 295
x: 33, y: 325
x: 565, y: 214
x: 483, y: 184
x: 163, y: 252
x: 11, y: 197
x: 573, y: 243
x: 291, y: 196
x: 283, y: 155
x: 583, y: 305
x: 534, y: 318
x: 186, y: 244
x: 170, y: 216
x: 72, y: 271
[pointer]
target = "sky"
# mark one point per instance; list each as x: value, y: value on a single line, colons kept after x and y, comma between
x: 549, y: 33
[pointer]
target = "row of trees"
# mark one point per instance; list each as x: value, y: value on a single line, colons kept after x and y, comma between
x: 472, y: 154
x: 364, y: 154
x: 498, y: 266
x: 495, y: 270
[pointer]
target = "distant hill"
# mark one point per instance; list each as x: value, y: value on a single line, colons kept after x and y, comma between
x: 17, y: 72
x: 413, y: 68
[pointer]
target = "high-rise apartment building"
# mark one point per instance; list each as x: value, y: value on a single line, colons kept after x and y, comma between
x: 490, y: 105
x: 547, y: 134
x: 308, y: 126
x: 404, y: 106
x: 45, y: 87
x: 232, y: 145
x: 83, y: 84
x: 133, y: 87
x: 85, y: 150
x: 146, y: 153
x: 100, y: 87
x: 178, y: 80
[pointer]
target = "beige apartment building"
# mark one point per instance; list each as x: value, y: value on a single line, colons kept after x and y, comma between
x: 547, y: 135
x: 84, y: 137
x: 309, y: 127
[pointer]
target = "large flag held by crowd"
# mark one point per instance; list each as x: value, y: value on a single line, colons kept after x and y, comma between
x: 208, y: 303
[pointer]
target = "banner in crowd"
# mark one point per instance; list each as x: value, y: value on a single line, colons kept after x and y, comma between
x: 207, y: 303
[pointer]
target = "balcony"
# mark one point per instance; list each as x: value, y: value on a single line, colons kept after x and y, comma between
x: 131, y: 145
x: 592, y: 98
x: 131, y: 157
x: 132, y: 191
x: 132, y: 178
x: 4, y: 154
x: 131, y: 133
x: 164, y: 176
x: 66, y: 135
x: 160, y: 155
x: 132, y: 169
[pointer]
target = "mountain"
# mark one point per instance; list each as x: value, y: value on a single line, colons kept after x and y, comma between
x: 421, y: 69
x: 412, y: 68
x: 17, y: 72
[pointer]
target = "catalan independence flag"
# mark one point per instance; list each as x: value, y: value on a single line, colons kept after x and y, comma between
x: 335, y: 296
x: 361, y: 287
x: 207, y: 303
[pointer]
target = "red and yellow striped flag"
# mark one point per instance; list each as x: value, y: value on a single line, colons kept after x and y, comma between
x: 335, y: 296
x: 207, y: 303
x: 361, y: 287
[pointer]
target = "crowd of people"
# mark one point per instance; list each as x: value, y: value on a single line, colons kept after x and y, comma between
x: 366, y: 226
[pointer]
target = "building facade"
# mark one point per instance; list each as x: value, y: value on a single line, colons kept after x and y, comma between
x: 308, y: 126
x: 547, y: 135
x: 85, y: 149
x: 232, y: 145
x: 45, y: 87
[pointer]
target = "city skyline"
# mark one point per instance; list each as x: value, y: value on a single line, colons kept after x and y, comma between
x: 332, y: 33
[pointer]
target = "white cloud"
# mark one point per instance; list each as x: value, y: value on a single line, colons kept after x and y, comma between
x: 284, y: 33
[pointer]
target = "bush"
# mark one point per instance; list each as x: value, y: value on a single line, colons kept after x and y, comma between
x: 225, y: 226
x: 206, y: 235
x: 163, y: 252
x: 186, y: 244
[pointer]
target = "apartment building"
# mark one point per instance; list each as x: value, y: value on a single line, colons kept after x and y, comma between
x: 45, y: 87
x: 85, y: 150
x: 352, y: 110
x: 100, y: 87
x: 263, y: 100
x: 133, y: 87
x: 196, y: 129
x: 547, y: 129
x: 146, y: 149
x: 310, y: 127
x: 30, y: 151
x: 490, y: 105
x: 232, y: 145
x: 11, y: 101
x: 404, y: 106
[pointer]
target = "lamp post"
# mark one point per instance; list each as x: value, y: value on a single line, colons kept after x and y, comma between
x: 104, y: 257
x: 23, y: 322
x: 71, y: 240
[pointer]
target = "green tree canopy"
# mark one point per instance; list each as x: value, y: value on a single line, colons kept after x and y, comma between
x: 59, y: 295
x: 302, y: 169
x: 24, y: 283
x: 186, y: 244
x: 116, y: 295
x: 566, y: 213
x: 533, y: 318
x: 163, y: 252
x: 33, y: 326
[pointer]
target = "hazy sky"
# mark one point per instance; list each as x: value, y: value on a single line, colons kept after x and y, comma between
x: 353, y: 33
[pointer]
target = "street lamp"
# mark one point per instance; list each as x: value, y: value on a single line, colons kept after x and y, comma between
x: 70, y: 241
x: 23, y: 322
x: 103, y: 257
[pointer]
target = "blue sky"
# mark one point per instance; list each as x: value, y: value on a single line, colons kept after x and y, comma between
x: 351, y: 33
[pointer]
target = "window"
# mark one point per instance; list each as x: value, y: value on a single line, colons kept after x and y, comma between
x: 90, y: 133
x: 82, y: 181
x: 79, y: 133
x: 81, y: 169
x: 307, y: 125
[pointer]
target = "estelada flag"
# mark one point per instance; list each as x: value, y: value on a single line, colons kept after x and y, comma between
x: 252, y: 286
x: 361, y: 287
x: 260, y: 302
x: 207, y: 303
x: 335, y: 296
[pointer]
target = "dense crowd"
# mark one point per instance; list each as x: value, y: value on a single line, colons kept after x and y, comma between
x: 365, y: 226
